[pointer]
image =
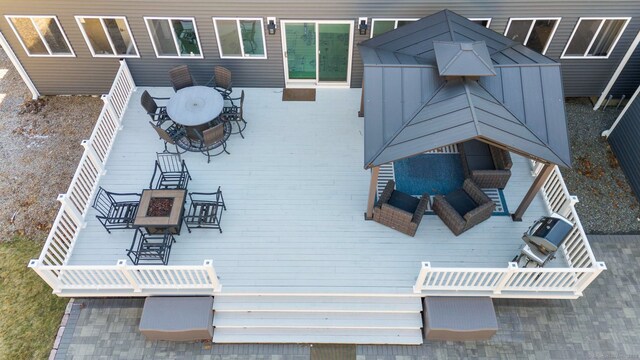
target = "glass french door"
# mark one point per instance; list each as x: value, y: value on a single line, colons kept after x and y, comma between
x: 317, y: 53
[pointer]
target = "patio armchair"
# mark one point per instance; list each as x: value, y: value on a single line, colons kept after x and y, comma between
x: 170, y: 172
x: 180, y: 77
x: 150, y: 249
x: 116, y: 210
x: 222, y: 80
x: 205, y: 210
x: 235, y: 114
x: 464, y: 208
x: 213, y: 138
x: 400, y: 211
x: 157, y: 113
x: 488, y: 166
x: 171, y: 135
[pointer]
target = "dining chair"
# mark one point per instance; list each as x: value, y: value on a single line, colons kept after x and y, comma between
x: 171, y: 135
x: 180, y: 77
x: 213, y: 138
x: 116, y: 210
x: 205, y: 210
x: 222, y: 80
x: 150, y: 249
x: 235, y: 113
x: 157, y: 113
x: 169, y: 172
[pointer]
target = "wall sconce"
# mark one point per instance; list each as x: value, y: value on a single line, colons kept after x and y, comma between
x: 271, y: 25
x: 362, y: 25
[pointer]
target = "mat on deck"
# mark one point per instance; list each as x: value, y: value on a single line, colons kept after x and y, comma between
x: 333, y: 352
x: 299, y: 95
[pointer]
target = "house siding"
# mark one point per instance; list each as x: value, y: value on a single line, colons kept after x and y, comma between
x: 85, y: 74
x: 625, y: 143
x: 629, y: 78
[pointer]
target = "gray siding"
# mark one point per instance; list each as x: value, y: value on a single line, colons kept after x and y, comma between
x: 625, y: 143
x: 87, y: 75
x: 629, y: 78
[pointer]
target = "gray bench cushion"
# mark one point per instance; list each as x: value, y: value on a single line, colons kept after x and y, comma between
x: 177, y: 318
x: 459, y: 318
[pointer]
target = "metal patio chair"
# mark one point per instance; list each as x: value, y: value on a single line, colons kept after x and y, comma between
x: 171, y: 135
x: 213, y: 138
x: 157, y: 113
x: 235, y: 113
x: 170, y: 172
x: 222, y: 80
x: 150, y: 249
x: 205, y: 210
x: 116, y: 210
x: 180, y: 77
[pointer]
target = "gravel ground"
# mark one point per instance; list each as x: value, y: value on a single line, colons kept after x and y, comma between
x: 607, y: 204
x: 39, y: 152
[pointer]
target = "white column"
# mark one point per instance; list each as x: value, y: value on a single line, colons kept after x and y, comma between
x: 47, y: 275
x: 71, y: 210
x: 215, y: 281
x: 511, y: 269
x: 425, y: 269
x: 124, y: 270
x: 585, y: 281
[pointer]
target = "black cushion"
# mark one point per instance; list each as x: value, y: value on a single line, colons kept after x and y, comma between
x: 476, y: 147
x: 403, y: 201
x: 480, y: 162
x: 461, y: 201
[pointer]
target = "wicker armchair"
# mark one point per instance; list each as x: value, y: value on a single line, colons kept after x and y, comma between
x: 464, y: 208
x: 488, y: 166
x: 400, y: 211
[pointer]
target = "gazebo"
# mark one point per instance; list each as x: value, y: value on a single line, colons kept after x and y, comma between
x: 444, y: 80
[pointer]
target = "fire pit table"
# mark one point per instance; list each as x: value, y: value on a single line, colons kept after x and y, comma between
x: 160, y: 210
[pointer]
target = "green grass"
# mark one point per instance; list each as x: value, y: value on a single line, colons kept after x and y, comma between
x: 29, y: 313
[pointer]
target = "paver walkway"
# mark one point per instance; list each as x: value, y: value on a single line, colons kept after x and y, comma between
x: 603, y: 324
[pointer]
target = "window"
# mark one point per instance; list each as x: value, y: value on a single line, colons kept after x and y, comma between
x: 174, y: 37
x: 595, y: 37
x: 381, y: 26
x: 482, y: 21
x: 107, y: 36
x: 240, y: 38
x: 536, y: 34
x: 40, y: 35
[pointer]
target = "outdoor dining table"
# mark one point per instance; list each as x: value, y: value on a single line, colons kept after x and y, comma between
x: 195, y: 105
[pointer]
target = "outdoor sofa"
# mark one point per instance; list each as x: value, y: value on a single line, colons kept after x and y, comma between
x: 400, y: 211
x: 488, y: 166
x: 464, y: 208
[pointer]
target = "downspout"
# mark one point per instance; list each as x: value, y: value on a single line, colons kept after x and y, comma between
x: 16, y: 63
x: 621, y: 66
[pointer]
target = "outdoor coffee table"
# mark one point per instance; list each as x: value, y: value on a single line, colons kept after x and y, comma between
x: 195, y: 105
x: 161, y: 210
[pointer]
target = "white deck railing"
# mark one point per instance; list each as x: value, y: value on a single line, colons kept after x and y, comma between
x: 534, y: 282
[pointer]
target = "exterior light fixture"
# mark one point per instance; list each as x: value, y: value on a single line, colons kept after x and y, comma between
x: 271, y: 25
x: 362, y: 26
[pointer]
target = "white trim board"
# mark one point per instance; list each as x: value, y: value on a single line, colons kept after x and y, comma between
x: 42, y: 38
x: 80, y: 18
x: 243, y: 54
x: 595, y: 35
x: 533, y: 23
x: 621, y: 66
x: 23, y: 73
x: 175, y: 40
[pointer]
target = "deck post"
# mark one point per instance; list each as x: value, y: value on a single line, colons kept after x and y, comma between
x: 373, y: 186
x: 46, y: 275
x: 122, y: 266
x: 72, y: 210
x: 91, y: 152
x: 511, y: 269
x: 361, y: 112
x: 542, y: 177
x: 587, y: 280
x: 208, y: 267
x: 425, y: 269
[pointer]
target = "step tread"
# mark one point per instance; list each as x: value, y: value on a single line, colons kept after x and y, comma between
x: 317, y: 303
x: 331, y: 336
x: 317, y: 320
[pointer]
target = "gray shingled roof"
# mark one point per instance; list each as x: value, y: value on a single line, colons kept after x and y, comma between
x: 410, y: 108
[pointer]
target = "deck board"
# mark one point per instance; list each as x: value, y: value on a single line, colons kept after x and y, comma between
x: 296, y: 192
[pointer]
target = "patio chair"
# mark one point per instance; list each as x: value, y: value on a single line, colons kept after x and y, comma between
x: 116, y: 210
x: 171, y: 135
x: 205, y: 210
x: 150, y: 249
x: 464, y: 208
x: 213, y: 138
x: 400, y: 211
x: 488, y: 166
x: 170, y: 172
x: 180, y: 77
x: 235, y: 113
x: 222, y: 80
x: 157, y: 113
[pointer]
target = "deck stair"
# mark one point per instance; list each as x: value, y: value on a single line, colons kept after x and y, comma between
x: 317, y: 319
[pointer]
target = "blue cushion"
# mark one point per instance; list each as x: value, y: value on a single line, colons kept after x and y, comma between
x: 461, y: 202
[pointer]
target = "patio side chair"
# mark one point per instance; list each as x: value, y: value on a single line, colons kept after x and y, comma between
x: 116, y: 210
x: 205, y: 210
x: 170, y: 172
x: 180, y: 77
x: 213, y: 138
x: 150, y: 249
x: 171, y: 135
x: 235, y: 113
x: 157, y: 113
x: 222, y: 80
x: 464, y: 208
x: 400, y: 211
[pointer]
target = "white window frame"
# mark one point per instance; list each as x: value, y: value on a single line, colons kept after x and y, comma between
x: 173, y: 34
x: 44, y: 41
x: 533, y: 23
x: 104, y: 27
x: 602, y: 20
x: 488, y: 20
x: 395, y: 24
x: 237, y: 20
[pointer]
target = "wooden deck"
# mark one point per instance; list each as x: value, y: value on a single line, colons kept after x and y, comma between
x: 296, y: 192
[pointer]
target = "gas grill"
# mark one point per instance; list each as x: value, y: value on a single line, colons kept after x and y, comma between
x: 542, y: 240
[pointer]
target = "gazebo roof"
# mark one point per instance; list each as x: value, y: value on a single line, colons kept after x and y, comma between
x: 411, y: 107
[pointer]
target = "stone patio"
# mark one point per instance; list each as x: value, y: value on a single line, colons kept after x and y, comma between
x: 604, y: 324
